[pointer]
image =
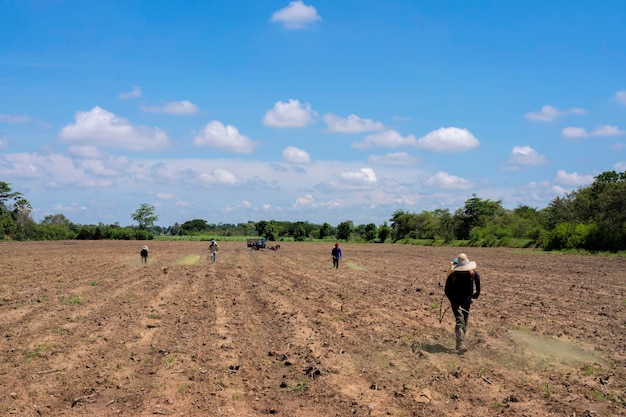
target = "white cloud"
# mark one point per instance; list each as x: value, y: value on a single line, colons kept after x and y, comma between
x: 3, y: 143
x: 526, y: 155
x: 448, y: 139
x: 290, y: 114
x: 579, y: 132
x: 14, y: 119
x: 21, y: 165
x: 574, y: 132
x: 608, y: 130
x: 446, y: 181
x: 306, y: 201
x: 217, y: 135
x: 296, y: 156
x: 549, y: 113
x: 620, y: 166
x: 574, y: 178
x: 387, y: 139
x: 99, y: 127
x: 134, y: 93
x: 97, y: 168
x: 58, y: 170
x: 184, y: 107
x: 71, y: 208
x: 90, y: 152
x: 218, y: 176
x: 352, y: 124
x: 166, y: 196
x: 364, y: 178
x: 271, y: 209
x: 620, y: 96
x: 296, y: 16
x: 393, y: 158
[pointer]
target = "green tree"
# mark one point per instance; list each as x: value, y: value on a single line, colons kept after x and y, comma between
x: 56, y: 219
x: 298, y: 232
x: 443, y: 224
x: 193, y: 226
x: 271, y: 231
x: 371, y: 232
x: 384, y: 232
x: 402, y: 223
x: 592, y: 217
x: 344, y: 230
x: 260, y: 227
x: 325, y: 230
x: 476, y: 212
x: 15, y: 220
x: 145, y: 216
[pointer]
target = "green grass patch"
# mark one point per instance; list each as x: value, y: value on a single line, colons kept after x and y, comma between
x: 355, y: 267
x: 588, y: 370
x: 73, y: 300
x: 601, y: 396
x: 36, y: 352
x: 497, y: 405
x: 547, y: 391
x: 298, y: 387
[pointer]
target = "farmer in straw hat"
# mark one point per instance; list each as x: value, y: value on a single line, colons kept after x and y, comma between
x: 460, y: 291
x: 213, y: 248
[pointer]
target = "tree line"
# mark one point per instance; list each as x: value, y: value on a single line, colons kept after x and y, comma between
x: 592, y: 218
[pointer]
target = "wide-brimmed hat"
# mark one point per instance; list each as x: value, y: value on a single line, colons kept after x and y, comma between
x: 144, y: 247
x: 463, y: 263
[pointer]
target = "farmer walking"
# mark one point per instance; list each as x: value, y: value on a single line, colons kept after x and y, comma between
x: 460, y: 291
x: 336, y: 254
x: 144, y: 254
x: 213, y: 248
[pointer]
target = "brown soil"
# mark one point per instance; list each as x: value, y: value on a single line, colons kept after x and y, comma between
x: 86, y: 330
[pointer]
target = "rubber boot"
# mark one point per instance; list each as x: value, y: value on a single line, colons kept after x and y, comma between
x: 460, y: 336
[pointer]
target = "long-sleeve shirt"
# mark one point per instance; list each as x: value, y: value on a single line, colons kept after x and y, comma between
x: 460, y: 286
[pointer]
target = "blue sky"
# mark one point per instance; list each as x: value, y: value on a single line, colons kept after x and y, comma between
x: 316, y: 110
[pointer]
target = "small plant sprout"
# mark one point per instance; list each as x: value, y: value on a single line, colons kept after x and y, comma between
x: 73, y: 300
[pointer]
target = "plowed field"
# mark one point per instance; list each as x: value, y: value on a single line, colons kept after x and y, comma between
x: 87, y: 330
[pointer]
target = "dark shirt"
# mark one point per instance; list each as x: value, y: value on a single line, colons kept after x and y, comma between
x: 460, y: 286
x: 336, y: 253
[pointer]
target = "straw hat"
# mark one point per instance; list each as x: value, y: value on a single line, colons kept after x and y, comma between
x: 463, y: 263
